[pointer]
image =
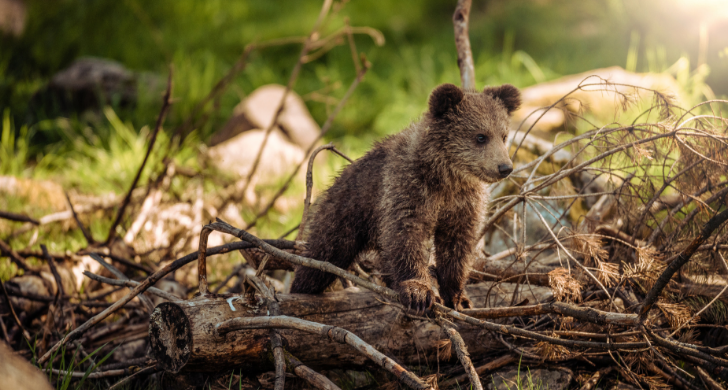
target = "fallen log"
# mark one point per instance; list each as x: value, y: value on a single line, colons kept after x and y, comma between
x: 183, y: 336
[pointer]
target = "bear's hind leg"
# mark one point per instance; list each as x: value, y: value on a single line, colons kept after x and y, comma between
x: 338, y: 249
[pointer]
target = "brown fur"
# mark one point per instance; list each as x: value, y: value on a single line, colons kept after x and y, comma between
x: 427, y: 184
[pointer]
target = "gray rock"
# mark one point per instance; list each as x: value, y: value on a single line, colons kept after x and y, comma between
x: 257, y: 111
x: 512, y: 379
x: 598, y: 99
x: 236, y: 157
x: 88, y: 83
x: 13, y: 16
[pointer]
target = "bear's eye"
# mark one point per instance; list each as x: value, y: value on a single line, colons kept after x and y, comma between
x: 505, y: 137
x: 481, y: 138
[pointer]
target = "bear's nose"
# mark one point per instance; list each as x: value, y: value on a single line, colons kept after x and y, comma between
x: 505, y: 170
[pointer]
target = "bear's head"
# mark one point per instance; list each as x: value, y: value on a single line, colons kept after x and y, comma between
x: 471, y: 129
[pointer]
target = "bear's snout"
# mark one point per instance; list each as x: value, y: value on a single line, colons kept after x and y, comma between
x: 504, y: 170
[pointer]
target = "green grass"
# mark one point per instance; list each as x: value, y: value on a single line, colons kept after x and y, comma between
x: 516, y: 42
x: 65, y: 381
x: 526, y: 382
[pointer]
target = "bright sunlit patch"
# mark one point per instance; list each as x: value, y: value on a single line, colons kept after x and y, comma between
x: 712, y: 9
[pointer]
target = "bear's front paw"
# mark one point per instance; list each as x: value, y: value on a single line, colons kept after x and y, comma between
x: 459, y: 301
x: 416, y: 295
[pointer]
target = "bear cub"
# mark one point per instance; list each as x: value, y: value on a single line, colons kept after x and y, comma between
x: 425, y: 185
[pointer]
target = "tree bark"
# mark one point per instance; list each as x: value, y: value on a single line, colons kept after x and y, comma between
x: 183, y: 337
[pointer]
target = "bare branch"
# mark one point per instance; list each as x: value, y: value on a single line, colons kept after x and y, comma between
x: 86, y: 234
x: 312, y: 377
x: 145, y: 284
x: 512, y: 330
x: 460, y: 21
x: 462, y: 351
x: 709, y: 382
x: 676, y: 264
x: 18, y: 217
x: 275, y: 338
x: 131, y: 283
x: 327, y: 125
x: 309, y: 185
x: 166, y: 101
x: 143, y: 371
x: 334, y: 333
x: 312, y: 36
x: 52, y: 265
x: 5, y: 249
x: 12, y: 311
x: 223, y: 226
x: 120, y: 275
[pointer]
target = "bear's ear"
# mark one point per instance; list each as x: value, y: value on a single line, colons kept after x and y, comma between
x: 508, y: 94
x: 444, y: 98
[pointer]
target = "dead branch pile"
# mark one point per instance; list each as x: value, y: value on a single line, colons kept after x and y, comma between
x: 604, y: 255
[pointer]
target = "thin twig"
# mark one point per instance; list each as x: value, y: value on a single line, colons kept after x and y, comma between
x: 120, y: 275
x: 683, y: 349
x: 5, y: 332
x: 12, y: 311
x: 16, y: 258
x: 96, y: 375
x: 224, y: 227
x: 309, y: 185
x: 462, y: 42
x: 52, y: 265
x: 709, y: 382
x: 232, y: 274
x: 512, y: 330
x: 312, y: 36
x: 131, y: 283
x: 150, y: 281
x: 118, y: 259
x: 327, y: 125
x: 332, y: 332
x: 143, y: 371
x: 151, y: 201
x: 662, y: 281
x: 86, y: 234
x: 18, y: 217
x: 166, y: 102
x: 462, y: 351
x: 312, y: 377
x: 202, y: 261
x: 275, y: 338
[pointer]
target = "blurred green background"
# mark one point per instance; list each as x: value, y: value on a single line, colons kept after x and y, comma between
x: 202, y: 39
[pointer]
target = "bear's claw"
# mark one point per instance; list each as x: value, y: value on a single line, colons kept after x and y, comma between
x: 459, y: 301
x: 417, y: 296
